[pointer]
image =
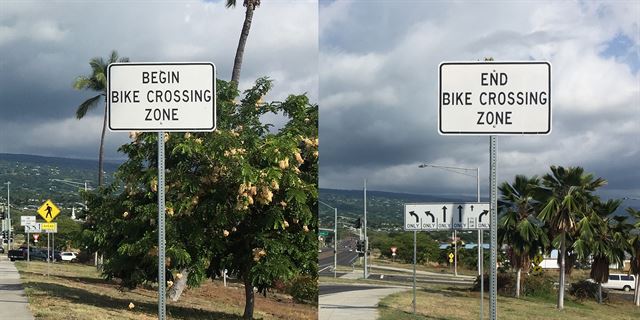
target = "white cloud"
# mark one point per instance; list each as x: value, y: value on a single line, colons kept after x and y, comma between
x: 596, y: 98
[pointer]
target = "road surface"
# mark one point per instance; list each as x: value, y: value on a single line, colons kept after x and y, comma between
x: 352, y: 302
x: 13, y: 302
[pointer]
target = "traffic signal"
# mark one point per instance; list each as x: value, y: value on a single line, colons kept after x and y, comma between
x: 358, y: 224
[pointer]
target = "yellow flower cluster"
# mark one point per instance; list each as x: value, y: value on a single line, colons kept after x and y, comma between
x: 247, y: 192
x: 233, y: 152
x: 258, y: 253
x: 310, y: 142
x: 283, y: 164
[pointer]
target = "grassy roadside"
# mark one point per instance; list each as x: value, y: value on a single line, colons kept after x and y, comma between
x: 460, y: 304
x: 74, y: 291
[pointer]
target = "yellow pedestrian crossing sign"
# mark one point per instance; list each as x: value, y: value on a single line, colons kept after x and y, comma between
x: 451, y: 257
x: 48, y: 211
x: 537, y: 269
x: 537, y: 259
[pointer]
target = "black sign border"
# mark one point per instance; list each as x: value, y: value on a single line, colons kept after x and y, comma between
x: 455, y: 133
x: 215, y: 110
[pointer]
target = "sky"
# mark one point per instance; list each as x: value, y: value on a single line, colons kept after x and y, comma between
x: 379, y: 79
x: 45, y: 45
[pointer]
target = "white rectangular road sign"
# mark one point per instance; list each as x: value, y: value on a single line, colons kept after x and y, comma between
x: 494, y: 98
x: 34, y: 228
x: 162, y: 96
x: 446, y: 216
x: 27, y: 220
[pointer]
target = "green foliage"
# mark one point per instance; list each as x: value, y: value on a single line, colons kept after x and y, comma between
x: 584, y: 290
x: 242, y: 198
x: 304, y: 289
x: 537, y: 285
x: 426, y: 248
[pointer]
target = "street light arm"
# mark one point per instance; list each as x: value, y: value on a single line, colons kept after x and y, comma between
x: 327, y: 205
x: 425, y: 165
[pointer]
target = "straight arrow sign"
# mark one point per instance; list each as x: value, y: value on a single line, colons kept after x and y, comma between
x: 470, y: 216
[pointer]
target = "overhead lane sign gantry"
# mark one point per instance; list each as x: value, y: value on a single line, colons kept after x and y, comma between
x: 494, y: 98
x: 162, y: 96
x: 446, y: 216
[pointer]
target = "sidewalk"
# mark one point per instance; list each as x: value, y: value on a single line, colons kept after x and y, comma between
x: 13, y: 302
x: 353, y: 305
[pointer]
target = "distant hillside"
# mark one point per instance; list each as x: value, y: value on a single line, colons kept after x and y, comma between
x: 384, y: 209
x: 32, y: 177
x: 110, y: 166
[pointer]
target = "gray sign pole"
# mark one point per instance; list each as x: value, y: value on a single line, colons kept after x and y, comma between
x: 162, y: 307
x: 414, y: 271
x: 480, y: 256
x: 493, y: 283
x: 28, y: 240
x: 366, y: 240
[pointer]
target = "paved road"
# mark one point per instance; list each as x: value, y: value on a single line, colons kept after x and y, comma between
x: 13, y: 302
x: 357, y: 303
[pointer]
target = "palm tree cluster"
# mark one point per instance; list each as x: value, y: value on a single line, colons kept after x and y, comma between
x: 562, y: 211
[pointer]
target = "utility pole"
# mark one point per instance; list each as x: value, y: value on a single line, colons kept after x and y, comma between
x: 335, y: 238
x: 364, y: 225
x: 8, y: 183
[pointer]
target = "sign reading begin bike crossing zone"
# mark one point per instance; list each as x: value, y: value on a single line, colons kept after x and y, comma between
x: 494, y: 98
x: 162, y: 96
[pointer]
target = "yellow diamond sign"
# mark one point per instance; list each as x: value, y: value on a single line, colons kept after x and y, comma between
x: 48, y: 211
x: 537, y: 259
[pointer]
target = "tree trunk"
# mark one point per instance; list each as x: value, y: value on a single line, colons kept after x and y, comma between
x: 237, y: 63
x: 178, y: 286
x: 101, y: 153
x: 518, y: 273
x: 562, y: 261
x: 249, y: 298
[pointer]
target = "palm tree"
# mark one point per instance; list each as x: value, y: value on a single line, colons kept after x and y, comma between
x: 97, y: 81
x: 634, y: 248
x: 565, y: 196
x: 518, y: 226
x: 251, y: 5
x: 603, y: 237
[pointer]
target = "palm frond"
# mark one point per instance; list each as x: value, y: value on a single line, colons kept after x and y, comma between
x: 86, y: 105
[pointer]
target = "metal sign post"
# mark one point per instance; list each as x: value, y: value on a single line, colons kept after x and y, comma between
x: 28, y: 248
x: 493, y: 187
x: 131, y: 106
x: 364, y: 225
x: 414, y: 271
x: 162, y: 284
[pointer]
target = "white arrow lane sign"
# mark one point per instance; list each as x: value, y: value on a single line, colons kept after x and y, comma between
x: 27, y: 220
x: 34, y: 228
x: 446, y: 216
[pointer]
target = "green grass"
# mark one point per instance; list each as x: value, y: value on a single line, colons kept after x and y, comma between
x: 460, y: 304
x: 75, y: 291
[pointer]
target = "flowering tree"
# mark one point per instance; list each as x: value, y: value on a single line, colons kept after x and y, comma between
x: 243, y: 198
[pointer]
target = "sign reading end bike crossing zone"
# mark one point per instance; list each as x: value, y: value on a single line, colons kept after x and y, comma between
x: 161, y: 96
x: 494, y: 98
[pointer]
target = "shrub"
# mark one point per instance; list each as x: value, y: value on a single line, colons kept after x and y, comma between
x: 304, y: 289
x: 506, y: 283
x: 585, y: 289
x: 537, y: 285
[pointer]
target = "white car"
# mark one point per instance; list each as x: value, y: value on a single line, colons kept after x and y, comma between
x: 69, y: 256
x: 620, y: 282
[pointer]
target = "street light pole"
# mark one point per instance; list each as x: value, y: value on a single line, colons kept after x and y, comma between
x: 335, y: 238
x: 8, y: 183
x: 366, y: 240
x: 480, y: 237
